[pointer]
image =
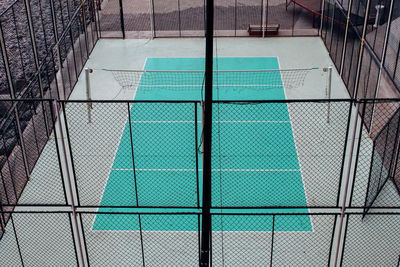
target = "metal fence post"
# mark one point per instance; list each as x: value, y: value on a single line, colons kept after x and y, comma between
x: 272, y: 241
x: 347, y: 181
x: 88, y: 93
x: 70, y: 192
x: 152, y: 27
x: 121, y: 17
x: 36, y: 56
x: 322, y: 17
x: 345, y: 37
x: 84, y: 27
x: 12, y: 95
x: 357, y: 80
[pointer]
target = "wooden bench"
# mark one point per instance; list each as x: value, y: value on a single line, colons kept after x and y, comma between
x: 256, y: 30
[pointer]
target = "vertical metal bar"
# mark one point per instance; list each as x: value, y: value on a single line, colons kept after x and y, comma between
x: 71, y: 154
x: 365, y: 209
x: 332, y: 23
x: 322, y: 17
x: 235, y: 17
x: 12, y: 96
x: 73, y: 53
x: 84, y: 240
x: 346, y: 32
x: 88, y: 93
x: 53, y: 15
x: 196, y: 154
x: 152, y: 18
x: 69, y: 187
x: 348, y: 174
x: 395, y: 152
x: 179, y: 19
x: 329, y: 93
x: 121, y: 17
x: 17, y: 240
x: 98, y: 25
x: 207, y: 134
x: 344, y: 239
x: 263, y: 18
x: 132, y: 154
x: 272, y: 241
x: 9, y: 168
x: 344, y: 152
x: 361, y: 49
x: 331, y: 243
x: 84, y: 27
x: 141, y: 239
x: 36, y: 56
x: 58, y: 153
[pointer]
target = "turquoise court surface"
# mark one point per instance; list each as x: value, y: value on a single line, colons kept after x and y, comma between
x: 254, y: 149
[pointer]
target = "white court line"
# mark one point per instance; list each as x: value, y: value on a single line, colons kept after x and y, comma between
x: 222, y: 170
x: 295, y: 145
x: 115, y: 152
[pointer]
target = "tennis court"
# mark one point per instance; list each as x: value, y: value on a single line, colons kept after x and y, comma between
x: 254, y: 148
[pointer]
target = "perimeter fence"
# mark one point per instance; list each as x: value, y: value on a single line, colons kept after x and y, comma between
x: 121, y: 181
x: 44, y: 46
x: 183, y: 18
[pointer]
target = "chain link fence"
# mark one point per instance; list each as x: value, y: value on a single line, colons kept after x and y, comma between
x: 127, y: 186
x: 183, y: 18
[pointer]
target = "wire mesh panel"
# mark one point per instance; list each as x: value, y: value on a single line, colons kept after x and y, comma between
x: 13, y: 172
x: 44, y: 239
x: 239, y: 240
x: 192, y: 17
x: 170, y: 239
x: 383, y: 161
x: 137, y: 18
x: 367, y: 86
x: 306, y: 18
x: 167, y: 20
x: 392, y: 56
x: 351, y: 60
x: 281, y: 12
x: 165, y: 153
x: 110, y: 242
x: 46, y: 184
x: 338, y: 32
x: 9, y: 250
x: 370, y: 241
x: 278, y: 154
x: 248, y: 13
x: 94, y: 146
x: 302, y: 240
x: 19, y: 46
x: 109, y: 19
x: 225, y: 17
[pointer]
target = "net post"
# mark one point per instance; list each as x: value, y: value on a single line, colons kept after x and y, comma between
x: 88, y: 93
x: 328, y: 91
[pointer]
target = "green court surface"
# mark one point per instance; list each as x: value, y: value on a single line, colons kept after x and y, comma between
x: 254, y: 157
